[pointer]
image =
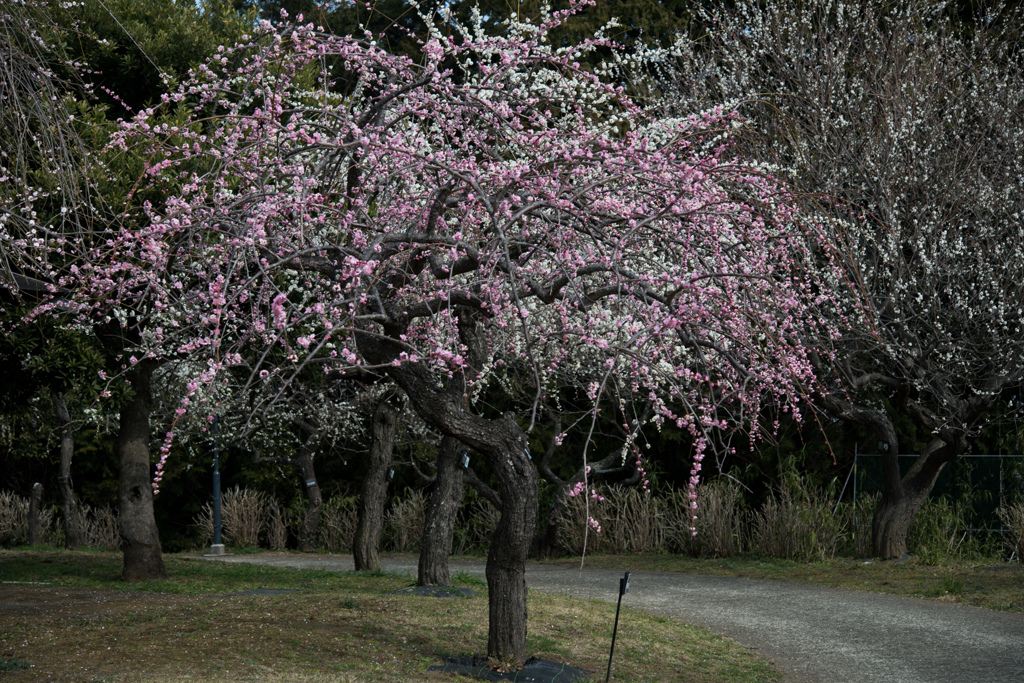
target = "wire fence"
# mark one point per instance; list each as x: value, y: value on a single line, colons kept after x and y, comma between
x: 988, y: 481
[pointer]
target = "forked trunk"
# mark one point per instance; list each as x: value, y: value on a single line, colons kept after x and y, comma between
x: 373, y: 496
x: 73, y: 533
x: 136, y: 522
x: 504, y: 445
x: 903, y: 497
x: 890, y: 523
x: 442, y: 510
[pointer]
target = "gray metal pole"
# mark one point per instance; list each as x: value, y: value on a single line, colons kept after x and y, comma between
x: 218, y: 546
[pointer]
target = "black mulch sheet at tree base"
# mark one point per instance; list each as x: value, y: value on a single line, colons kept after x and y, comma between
x: 534, y: 671
x: 436, y: 592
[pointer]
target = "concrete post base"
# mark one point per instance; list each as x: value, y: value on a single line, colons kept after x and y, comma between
x: 216, y: 550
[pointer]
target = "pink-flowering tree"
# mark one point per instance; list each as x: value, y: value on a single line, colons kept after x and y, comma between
x: 337, y: 205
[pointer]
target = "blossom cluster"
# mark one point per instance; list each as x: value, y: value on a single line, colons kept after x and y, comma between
x: 325, y: 198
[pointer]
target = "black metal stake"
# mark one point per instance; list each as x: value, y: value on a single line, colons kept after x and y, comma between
x: 623, y: 589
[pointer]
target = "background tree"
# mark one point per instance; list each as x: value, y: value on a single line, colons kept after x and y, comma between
x: 905, y: 125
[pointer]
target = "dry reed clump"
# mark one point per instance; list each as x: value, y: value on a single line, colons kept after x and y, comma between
x: 941, y: 529
x: 13, y: 519
x: 803, y: 529
x: 100, y: 527
x: 574, y: 534
x: 277, y: 525
x: 475, y: 526
x: 796, y: 529
x: 14, y: 522
x: 855, y: 518
x: 1012, y: 517
x: 403, y: 523
x: 243, y: 515
x: 632, y: 521
x: 337, y: 527
x: 719, y: 523
x: 629, y: 521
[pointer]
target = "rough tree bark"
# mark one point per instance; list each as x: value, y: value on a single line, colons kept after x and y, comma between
x: 504, y: 445
x: 902, y: 495
x: 373, y: 494
x: 508, y: 454
x: 304, y: 464
x: 446, y: 492
x: 442, y: 510
x: 136, y: 522
x: 73, y: 532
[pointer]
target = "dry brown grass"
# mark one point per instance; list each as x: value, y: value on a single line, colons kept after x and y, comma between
x: 1012, y: 517
x: 100, y: 526
x: 339, y: 626
x: 277, y: 526
x: 14, y: 522
x: 403, y: 523
x: 719, y: 523
x: 338, y: 519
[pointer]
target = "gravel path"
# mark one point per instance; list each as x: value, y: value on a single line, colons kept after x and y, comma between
x: 812, y: 634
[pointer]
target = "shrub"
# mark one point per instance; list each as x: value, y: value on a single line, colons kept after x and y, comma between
x: 337, y: 526
x: 100, y: 527
x: 14, y: 522
x: 719, y: 522
x: 403, y: 523
x: 1012, y: 517
x: 243, y: 516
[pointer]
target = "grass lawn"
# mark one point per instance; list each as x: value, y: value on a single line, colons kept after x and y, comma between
x: 65, y: 616
x: 990, y: 584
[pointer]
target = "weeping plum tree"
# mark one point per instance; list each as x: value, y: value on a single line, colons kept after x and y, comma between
x: 908, y: 124
x: 348, y: 208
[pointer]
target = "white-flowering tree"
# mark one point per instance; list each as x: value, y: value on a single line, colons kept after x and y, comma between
x: 338, y: 206
x: 905, y: 126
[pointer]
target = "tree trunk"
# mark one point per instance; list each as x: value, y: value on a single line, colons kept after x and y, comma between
x: 373, y: 495
x: 510, y: 545
x: 314, y: 499
x: 504, y: 445
x: 35, y: 501
x: 136, y: 522
x: 549, y: 544
x: 902, y: 498
x: 314, y: 504
x: 73, y: 532
x: 442, y: 510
